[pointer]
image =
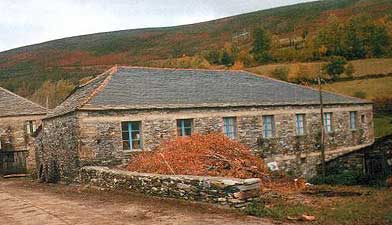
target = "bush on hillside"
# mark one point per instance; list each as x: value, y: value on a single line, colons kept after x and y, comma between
x: 202, y: 155
x: 281, y: 73
x: 360, y: 94
x: 335, y: 67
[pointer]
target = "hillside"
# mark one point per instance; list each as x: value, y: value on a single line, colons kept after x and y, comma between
x: 25, y: 69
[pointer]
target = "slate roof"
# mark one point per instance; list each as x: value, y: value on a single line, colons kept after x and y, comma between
x: 15, y: 105
x: 144, y: 88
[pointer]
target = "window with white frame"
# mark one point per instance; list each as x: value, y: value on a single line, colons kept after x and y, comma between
x: 268, y: 126
x: 30, y: 127
x: 131, y: 135
x: 184, y: 127
x: 353, y: 120
x: 230, y: 127
x: 328, y: 122
x: 300, y: 124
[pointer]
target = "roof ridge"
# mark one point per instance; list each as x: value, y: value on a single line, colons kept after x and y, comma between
x: 169, y: 68
x: 24, y: 99
x: 110, y: 72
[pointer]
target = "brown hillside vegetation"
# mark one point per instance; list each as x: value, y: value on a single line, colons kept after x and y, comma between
x: 187, y: 46
x: 204, y: 155
x: 362, y: 67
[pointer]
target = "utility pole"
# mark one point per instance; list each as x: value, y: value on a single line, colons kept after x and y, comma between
x: 322, y: 141
x: 322, y: 51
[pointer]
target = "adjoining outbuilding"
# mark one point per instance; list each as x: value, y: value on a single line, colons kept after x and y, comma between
x: 131, y: 109
x: 19, y: 119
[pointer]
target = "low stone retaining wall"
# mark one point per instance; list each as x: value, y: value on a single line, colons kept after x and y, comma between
x: 224, y: 191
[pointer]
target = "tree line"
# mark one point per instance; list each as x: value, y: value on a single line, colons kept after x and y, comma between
x: 358, y: 38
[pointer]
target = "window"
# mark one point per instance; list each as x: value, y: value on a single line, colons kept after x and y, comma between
x: 328, y: 122
x: 230, y: 127
x: 363, y: 119
x: 353, y: 120
x: 269, y: 126
x: 30, y: 127
x: 300, y: 124
x: 131, y: 135
x: 184, y: 127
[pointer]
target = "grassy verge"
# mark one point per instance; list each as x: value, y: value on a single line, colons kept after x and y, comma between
x: 330, y: 205
x: 382, y: 125
x: 373, y: 88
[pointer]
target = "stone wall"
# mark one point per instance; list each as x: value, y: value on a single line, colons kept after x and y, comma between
x: 13, y: 135
x: 380, y: 153
x: 351, y: 162
x: 223, y: 191
x: 57, y: 148
x: 95, y: 138
x: 101, y: 132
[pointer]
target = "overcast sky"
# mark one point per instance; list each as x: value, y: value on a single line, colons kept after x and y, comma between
x: 24, y: 22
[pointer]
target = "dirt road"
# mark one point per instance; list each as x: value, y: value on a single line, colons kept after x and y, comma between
x: 25, y: 202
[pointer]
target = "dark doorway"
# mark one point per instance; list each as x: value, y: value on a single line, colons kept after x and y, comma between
x: 13, y: 162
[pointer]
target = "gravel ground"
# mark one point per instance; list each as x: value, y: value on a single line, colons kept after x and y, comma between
x: 25, y: 202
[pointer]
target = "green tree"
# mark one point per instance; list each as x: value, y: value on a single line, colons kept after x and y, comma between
x: 213, y: 57
x: 331, y: 37
x: 261, y: 45
x: 380, y: 41
x: 227, y: 59
x: 335, y: 67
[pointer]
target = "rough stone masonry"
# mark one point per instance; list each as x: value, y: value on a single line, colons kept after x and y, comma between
x: 219, y: 190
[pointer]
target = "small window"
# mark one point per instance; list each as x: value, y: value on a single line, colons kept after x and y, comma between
x: 30, y: 127
x: 230, y: 127
x: 269, y: 126
x: 131, y: 135
x: 184, y: 127
x: 363, y: 118
x: 328, y: 122
x: 300, y: 124
x: 353, y: 120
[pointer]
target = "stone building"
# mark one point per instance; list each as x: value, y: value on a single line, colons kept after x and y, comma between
x: 131, y: 109
x: 19, y: 119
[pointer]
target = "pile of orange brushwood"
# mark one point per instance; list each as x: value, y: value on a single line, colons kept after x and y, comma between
x: 203, y: 155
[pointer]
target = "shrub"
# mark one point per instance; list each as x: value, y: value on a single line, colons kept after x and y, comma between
x: 360, y: 94
x: 345, y: 178
x: 335, y: 67
x: 202, y: 155
x: 281, y: 73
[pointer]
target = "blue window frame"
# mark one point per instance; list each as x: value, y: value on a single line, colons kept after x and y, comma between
x: 269, y: 126
x: 131, y: 135
x: 353, y: 120
x: 300, y: 124
x: 230, y: 127
x: 184, y: 127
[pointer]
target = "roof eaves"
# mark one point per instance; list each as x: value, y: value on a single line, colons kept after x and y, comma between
x: 89, y: 107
